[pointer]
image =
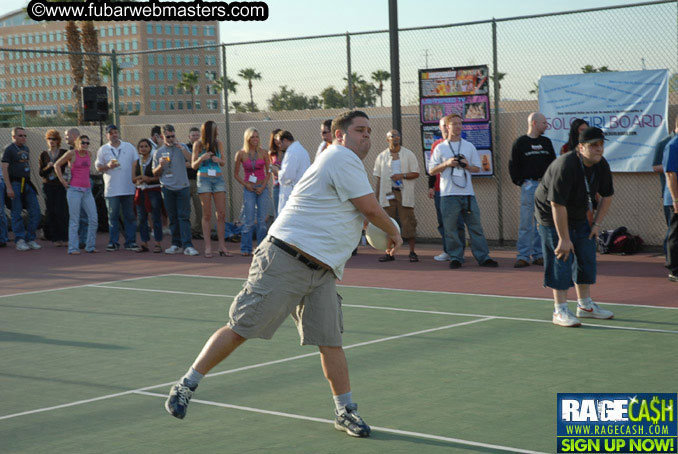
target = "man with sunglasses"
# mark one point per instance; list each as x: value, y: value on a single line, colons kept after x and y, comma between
x: 115, y: 160
x: 169, y: 163
x: 16, y: 171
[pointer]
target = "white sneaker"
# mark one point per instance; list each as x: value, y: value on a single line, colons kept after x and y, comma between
x: 444, y: 257
x: 34, y: 245
x: 593, y: 311
x: 565, y: 318
x: 173, y: 250
x: 22, y: 246
x: 190, y: 251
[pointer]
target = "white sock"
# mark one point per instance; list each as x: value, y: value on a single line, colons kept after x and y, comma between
x: 341, y: 401
x: 585, y: 302
x: 192, y: 378
x: 560, y: 307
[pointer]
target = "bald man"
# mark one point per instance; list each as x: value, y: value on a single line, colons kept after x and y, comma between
x: 530, y: 157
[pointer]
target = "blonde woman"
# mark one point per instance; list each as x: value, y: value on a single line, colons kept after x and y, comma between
x: 208, y: 160
x: 255, y: 163
x: 79, y: 194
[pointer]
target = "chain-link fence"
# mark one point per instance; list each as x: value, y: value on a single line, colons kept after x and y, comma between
x: 295, y: 84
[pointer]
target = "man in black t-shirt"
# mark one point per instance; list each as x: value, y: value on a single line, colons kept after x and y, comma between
x: 530, y: 157
x: 16, y: 170
x: 568, y: 225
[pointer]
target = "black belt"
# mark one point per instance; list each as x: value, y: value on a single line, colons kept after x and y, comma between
x: 296, y: 254
x: 395, y: 189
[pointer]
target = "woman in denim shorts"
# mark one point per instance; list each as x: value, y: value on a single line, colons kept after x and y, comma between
x: 207, y: 160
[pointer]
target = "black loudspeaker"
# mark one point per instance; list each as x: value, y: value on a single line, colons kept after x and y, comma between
x: 94, y: 103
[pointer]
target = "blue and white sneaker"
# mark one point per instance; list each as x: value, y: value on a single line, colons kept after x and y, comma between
x: 350, y: 422
x: 178, y: 399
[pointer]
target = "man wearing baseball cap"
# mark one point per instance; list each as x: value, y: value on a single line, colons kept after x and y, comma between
x: 569, y: 218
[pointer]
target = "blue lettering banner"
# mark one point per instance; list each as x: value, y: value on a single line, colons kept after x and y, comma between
x: 631, y: 107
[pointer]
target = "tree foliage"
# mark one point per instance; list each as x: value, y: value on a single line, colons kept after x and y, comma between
x: 288, y: 99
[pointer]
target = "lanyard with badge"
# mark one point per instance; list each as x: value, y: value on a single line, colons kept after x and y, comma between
x: 115, y: 156
x: 253, y: 162
x: 211, y: 171
x: 458, y: 171
x: 589, y: 196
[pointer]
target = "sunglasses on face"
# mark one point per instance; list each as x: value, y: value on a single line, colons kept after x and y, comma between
x: 52, y: 138
x: 84, y: 143
x: 169, y: 137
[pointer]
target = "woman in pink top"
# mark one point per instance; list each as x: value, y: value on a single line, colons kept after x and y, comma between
x: 79, y: 194
x: 255, y: 163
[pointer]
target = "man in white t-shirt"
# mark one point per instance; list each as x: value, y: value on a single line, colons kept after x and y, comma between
x: 326, y: 134
x: 294, y: 271
x: 293, y: 166
x: 455, y: 160
x: 115, y: 160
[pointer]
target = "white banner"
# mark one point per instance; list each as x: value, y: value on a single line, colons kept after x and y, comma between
x: 631, y: 107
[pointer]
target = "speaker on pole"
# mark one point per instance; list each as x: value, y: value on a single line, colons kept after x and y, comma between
x: 94, y: 103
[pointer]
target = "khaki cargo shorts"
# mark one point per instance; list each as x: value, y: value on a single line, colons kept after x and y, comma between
x: 279, y: 285
x: 404, y: 215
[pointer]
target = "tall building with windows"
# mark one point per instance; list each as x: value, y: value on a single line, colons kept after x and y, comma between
x: 147, y: 83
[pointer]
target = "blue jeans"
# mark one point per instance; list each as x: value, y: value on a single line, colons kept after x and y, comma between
x: 84, y: 223
x: 178, y: 206
x: 529, y: 241
x: 255, y: 207
x: 79, y: 201
x: 155, y: 199
x: 32, y: 207
x: 668, y: 212
x: 115, y: 204
x: 558, y: 274
x: 454, y: 207
x: 3, y: 217
x: 441, y: 229
x: 276, y: 195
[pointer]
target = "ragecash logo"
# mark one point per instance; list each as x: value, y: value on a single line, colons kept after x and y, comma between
x: 617, y: 423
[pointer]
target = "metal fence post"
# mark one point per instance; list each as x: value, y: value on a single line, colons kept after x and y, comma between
x: 227, y: 132
x: 349, y: 79
x: 496, y: 154
x: 114, y: 83
x: 396, y: 117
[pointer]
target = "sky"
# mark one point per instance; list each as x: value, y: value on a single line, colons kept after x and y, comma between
x: 291, y: 18
x: 527, y: 49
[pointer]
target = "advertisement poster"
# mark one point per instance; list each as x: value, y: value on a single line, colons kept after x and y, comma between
x: 631, y: 108
x: 462, y: 91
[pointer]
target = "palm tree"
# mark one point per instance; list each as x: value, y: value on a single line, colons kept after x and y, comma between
x: 106, y: 70
x: 230, y: 84
x: 188, y: 82
x: 238, y: 106
x: 75, y: 58
x: 90, y: 43
x: 500, y: 77
x: 380, y: 77
x: 250, y: 74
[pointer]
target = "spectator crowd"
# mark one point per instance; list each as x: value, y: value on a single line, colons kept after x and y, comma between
x: 151, y: 188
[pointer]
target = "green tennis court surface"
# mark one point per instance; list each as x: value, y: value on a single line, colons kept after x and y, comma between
x: 86, y: 370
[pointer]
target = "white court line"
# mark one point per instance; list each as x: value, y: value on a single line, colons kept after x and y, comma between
x: 438, y: 292
x: 230, y: 371
x: 161, y: 291
x: 85, y: 285
x: 375, y: 428
x: 418, y: 311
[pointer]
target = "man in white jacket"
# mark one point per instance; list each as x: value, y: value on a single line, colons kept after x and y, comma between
x: 293, y: 166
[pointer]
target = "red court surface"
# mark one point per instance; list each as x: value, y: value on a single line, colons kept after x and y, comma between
x: 638, y: 279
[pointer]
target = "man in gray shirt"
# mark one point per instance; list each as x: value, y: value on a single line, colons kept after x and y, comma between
x: 169, y: 163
